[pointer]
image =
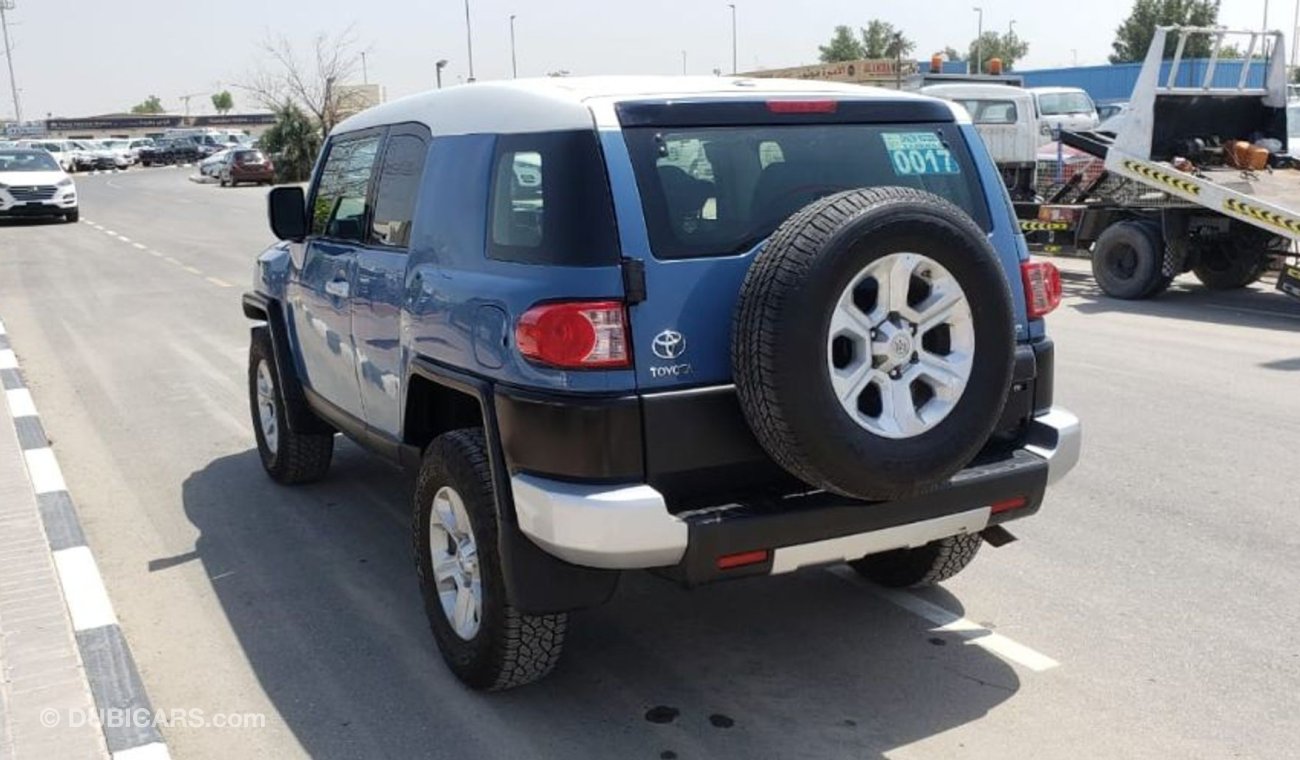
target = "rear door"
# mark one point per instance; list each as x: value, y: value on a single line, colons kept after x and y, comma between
x: 701, y: 186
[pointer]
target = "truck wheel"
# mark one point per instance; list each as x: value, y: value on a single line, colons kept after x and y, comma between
x: 1229, y: 267
x: 926, y: 565
x: 487, y: 643
x: 1127, y: 260
x: 288, y: 457
x: 914, y: 337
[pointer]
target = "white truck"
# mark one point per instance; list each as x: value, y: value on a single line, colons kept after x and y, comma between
x: 1172, y: 194
x: 1006, y: 118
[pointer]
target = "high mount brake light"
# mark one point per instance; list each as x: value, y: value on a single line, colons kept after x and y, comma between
x: 1042, y: 282
x: 575, y: 335
x: 802, y: 106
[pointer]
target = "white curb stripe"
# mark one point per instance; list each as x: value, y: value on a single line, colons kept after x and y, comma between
x: 137, y: 245
x: 83, y: 587
x: 20, y: 402
x: 7, y: 359
x: 43, y: 470
x: 949, y: 622
x: 220, y: 283
x: 155, y: 751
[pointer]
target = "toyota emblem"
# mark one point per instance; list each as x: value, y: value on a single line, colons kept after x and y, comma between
x: 668, y: 344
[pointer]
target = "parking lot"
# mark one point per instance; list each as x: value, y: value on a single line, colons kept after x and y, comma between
x: 1149, y: 611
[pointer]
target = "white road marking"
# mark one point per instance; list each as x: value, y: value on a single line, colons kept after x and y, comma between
x: 192, y: 270
x: 7, y: 359
x: 950, y: 622
x: 20, y: 402
x: 109, y: 232
x: 171, y: 260
x: 155, y: 751
x: 155, y: 253
x: 83, y: 588
x: 43, y: 470
x: 124, y: 238
x: 218, y: 282
x: 138, y: 245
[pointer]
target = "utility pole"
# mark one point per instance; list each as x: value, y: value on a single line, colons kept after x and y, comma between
x: 979, y: 43
x: 365, y: 76
x: 438, y: 67
x: 8, y: 5
x: 735, y: 68
x: 1295, y: 24
x: 469, y: 42
x: 514, y: 62
x: 1011, y: 29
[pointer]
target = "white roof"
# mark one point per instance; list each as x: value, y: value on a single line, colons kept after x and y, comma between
x: 976, y: 92
x: 1055, y: 90
x: 560, y: 103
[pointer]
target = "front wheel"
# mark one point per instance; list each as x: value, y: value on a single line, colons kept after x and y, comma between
x: 287, y: 456
x: 487, y: 643
x: 72, y: 216
x: 923, y: 566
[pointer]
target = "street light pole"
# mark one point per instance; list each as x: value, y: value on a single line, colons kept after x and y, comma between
x: 979, y: 43
x: 1295, y: 24
x: 365, y: 74
x: 469, y: 42
x: 514, y: 63
x: 735, y: 68
x: 683, y: 63
x: 8, y: 5
x: 437, y: 68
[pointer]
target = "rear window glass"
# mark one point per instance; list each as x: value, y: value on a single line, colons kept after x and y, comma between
x: 249, y: 156
x: 550, y: 201
x: 714, y: 191
x: 990, y: 111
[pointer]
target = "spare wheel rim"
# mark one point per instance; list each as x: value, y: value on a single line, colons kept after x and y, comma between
x: 901, y: 345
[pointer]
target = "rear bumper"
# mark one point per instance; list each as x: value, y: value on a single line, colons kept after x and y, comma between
x: 629, y: 525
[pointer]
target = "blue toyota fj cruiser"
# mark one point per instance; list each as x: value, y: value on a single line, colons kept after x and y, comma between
x: 713, y: 328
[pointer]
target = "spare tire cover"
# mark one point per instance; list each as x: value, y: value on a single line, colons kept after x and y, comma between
x: 873, y: 342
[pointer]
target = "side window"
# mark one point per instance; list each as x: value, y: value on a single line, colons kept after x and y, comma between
x: 550, y: 201
x: 340, y: 206
x: 399, y: 182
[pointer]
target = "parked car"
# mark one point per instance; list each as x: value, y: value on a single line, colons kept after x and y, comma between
x: 729, y: 333
x: 62, y: 151
x: 137, y: 145
x: 33, y: 184
x: 246, y: 165
x: 211, y: 166
x: 121, y: 148
x: 1064, y: 108
x: 1107, y: 110
x: 171, y: 151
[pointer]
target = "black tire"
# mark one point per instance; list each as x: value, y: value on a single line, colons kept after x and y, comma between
x: 1128, y: 259
x: 790, y: 293
x: 923, y: 566
x: 1231, y: 265
x: 510, y: 648
x: 296, y: 457
x: 73, y: 216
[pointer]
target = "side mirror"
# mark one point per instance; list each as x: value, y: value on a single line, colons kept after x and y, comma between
x: 287, y: 209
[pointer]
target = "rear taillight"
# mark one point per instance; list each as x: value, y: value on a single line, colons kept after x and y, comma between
x: 575, y: 335
x: 1042, y: 281
x: 801, y: 106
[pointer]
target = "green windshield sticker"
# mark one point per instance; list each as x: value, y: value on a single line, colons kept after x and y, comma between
x: 919, y: 153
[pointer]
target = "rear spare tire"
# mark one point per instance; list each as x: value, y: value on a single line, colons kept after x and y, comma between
x: 1128, y: 260
x: 873, y: 342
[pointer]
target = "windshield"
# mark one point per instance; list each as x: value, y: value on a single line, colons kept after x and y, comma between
x: 990, y: 111
x: 722, y: 190
x: 27, y: 161
x: 1061, y: 103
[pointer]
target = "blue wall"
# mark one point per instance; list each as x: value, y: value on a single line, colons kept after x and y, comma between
x: 1115, y: 81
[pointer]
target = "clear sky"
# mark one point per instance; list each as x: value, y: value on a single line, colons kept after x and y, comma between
x: 90, y: 57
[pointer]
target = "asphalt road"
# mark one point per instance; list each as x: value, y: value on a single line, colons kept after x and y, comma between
x: 1150, y: 610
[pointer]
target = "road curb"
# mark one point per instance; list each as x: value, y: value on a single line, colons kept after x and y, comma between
x: 126, y: 714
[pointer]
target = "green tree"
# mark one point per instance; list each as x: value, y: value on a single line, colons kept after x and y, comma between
x: 223, y: 102
x: 844, y: 46
x: 951, y: 54
x: 881, y: 40
x: 294, y: 141
x: 1007, y: 47
x: 150, y: 105
x: 1133, y: 37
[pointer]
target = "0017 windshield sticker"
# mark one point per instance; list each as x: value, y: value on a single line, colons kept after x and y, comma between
x: 919, y: 153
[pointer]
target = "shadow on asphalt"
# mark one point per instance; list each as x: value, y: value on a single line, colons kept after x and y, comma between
x: 318, y: 586
x: 1259, y: 306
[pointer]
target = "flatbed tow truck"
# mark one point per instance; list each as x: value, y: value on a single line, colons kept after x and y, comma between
x: 1166, y: 193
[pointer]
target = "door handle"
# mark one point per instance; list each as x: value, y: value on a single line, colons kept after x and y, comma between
x: 337, y: 288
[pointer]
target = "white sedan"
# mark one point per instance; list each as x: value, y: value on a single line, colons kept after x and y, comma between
x: 32, y: 184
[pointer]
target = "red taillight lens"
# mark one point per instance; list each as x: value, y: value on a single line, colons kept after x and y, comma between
x: 1006, y: 505
x: 802, y: 106
x: 729, y: 561
x: 575, y: 335
x: 1042, y: 282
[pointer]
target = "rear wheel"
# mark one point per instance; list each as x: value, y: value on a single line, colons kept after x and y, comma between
x: 1231, y: 264
x: 923, y: 566
x: 485, y: 641
x: 1127, y: 260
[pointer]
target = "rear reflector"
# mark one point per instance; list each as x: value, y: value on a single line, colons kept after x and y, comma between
x: 801, y: 106
x: 1006, y: 505
x: 729, y: 561
x: 1042, y: 281
x: 575, y: 335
